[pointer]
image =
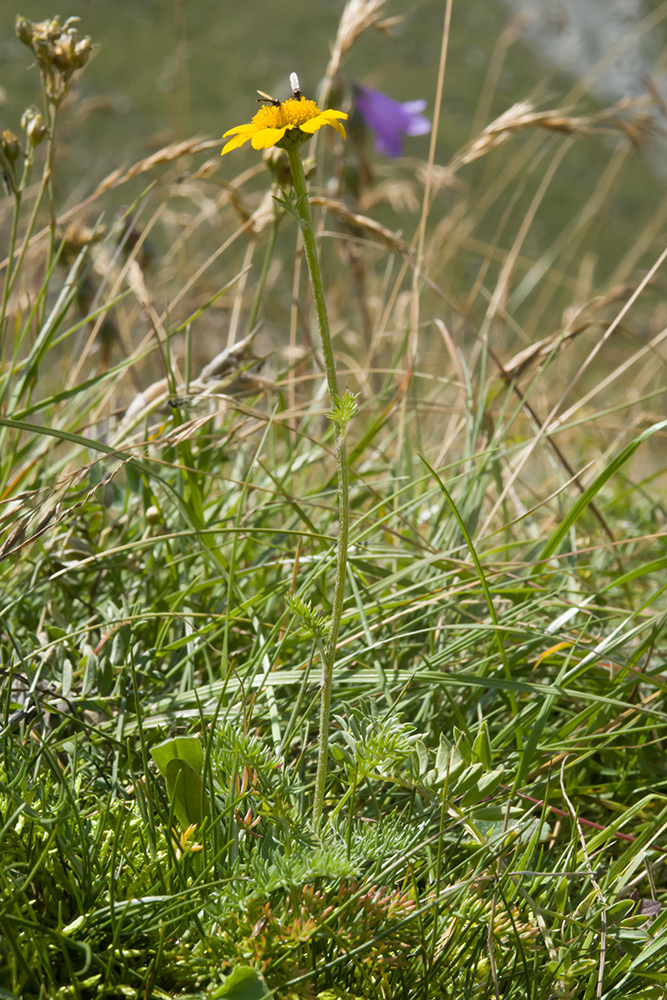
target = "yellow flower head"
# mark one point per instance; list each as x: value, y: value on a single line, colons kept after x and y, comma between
x: 288, y: 118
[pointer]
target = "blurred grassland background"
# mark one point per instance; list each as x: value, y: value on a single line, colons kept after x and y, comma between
x: 171, y: 71
x: 497, y: 803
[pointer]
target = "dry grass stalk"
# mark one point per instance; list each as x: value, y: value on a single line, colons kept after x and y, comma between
x: 118, y: 177
x: 230, y: 370
x: 357, y: 17
x: 54, y: 514
x: 165, y: 155
x: 523, y: 115
x: 556, y: 342
x: 350, y: 218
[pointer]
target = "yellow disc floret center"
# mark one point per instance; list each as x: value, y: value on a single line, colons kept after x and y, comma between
x: 290, y: 114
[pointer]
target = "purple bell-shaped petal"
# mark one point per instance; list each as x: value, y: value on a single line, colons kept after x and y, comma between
x: 389, y: 119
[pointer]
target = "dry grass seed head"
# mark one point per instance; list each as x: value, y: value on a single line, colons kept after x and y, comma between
x: 358, y: 16
x: 363, y: 222
x: 523, y: 115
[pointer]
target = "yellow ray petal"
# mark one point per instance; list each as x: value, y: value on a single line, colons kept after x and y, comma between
x: 250, y: 128
x: 267, y: 137
x: 316, y: 123
x: 338, y: 127
x: 234, y: 143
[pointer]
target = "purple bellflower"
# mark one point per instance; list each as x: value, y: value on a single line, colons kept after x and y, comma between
x: 389, y: 119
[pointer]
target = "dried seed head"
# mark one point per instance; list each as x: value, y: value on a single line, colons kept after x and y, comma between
x: 58, y: 50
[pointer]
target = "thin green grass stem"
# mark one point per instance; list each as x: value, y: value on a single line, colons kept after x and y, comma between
x: 305, y: 218
x: 489, y: 601
x: 10, y: 260
x: 268, y: 257
x: 43, y: 188
x: 51, y: 108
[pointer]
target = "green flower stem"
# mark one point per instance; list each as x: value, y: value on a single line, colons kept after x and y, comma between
x: 308, y: 233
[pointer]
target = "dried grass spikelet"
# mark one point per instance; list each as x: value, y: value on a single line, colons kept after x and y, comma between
x: 148, y: 399
x: 231, y: 359
x: 49, y: 511
x: 440, y: 177
x: 118, y: 177
x: 263, y: 216
x: 75, y: 237
x: 523, y: 116
x: 357, y: 17
x: 578, y: 320
x: 522, y: 361
x: 207, y: 169
x: 229, y: 371
x: 363, y: 222
x: 399, y: 193
x: 165, y: 155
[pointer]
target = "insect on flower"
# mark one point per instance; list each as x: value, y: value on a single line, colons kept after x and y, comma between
x: 267, y: 99
x: 283, y: 123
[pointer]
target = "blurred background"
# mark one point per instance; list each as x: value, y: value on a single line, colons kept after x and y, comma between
x: 169, y: 69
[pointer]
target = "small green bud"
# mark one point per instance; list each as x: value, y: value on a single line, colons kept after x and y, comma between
x: 278, y: 163
x: 33, y: 125
x: 24, y: 29
x: 343, y: 409
x: 11, y: 147
x: 313, y: 622
x: 153, y: 515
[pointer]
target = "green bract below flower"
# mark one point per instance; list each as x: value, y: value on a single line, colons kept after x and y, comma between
x: 290, y: 118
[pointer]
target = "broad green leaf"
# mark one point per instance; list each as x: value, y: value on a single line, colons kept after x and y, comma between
x: 185, y: 792
x: 481, y: 748
x: 462, y: 744
x: 420, y: 757
x: 105, y: 678
x: 469, y: 778
x: 485, y: 787
x: 449, y: 763
x: 185, y: 748
x: 341, y: 755
x: 181, y: 761
x: 243, y: 983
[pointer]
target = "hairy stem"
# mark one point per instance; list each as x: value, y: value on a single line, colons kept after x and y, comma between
x: 329, y: 652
